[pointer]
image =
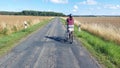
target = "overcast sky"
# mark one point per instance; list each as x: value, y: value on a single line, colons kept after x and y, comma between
x: 76, y: 7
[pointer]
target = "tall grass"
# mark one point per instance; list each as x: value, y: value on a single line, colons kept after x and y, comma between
x: 106, y: 27
x: 108, y: 52
x: 10, y: 24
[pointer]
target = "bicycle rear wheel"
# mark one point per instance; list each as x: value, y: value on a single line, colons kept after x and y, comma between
x: 71, y: 37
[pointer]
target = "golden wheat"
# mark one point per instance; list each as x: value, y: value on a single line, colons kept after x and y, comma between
x: 106, y: 27
x: 12, y: 23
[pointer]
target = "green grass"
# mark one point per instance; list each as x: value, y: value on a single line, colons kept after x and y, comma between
x: 63, y: 21
x: 7, y: 41
x: 106, y: 52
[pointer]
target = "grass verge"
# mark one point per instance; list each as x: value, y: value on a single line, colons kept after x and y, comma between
x: 7, y: 41
x: 106, y: 52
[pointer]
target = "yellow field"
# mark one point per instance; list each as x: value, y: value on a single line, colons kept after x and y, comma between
x: 106, y: 27
x: 15, y: 23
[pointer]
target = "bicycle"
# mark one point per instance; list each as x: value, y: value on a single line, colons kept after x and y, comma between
x: 69, y: 37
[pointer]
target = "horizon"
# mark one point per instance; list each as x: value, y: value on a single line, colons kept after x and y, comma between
x: 76, y: 7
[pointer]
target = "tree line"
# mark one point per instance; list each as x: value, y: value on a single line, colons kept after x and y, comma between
x: 32, y: 13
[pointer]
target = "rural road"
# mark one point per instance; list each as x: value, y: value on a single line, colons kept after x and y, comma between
x: 46, y: 48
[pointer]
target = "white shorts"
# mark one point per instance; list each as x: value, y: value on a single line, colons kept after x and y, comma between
x: 71, y: 28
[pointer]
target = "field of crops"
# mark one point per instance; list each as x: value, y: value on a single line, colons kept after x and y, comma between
x: 105, y: 27
x: 9, y: 24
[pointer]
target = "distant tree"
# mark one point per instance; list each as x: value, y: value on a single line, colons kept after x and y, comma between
x: 32, y: 13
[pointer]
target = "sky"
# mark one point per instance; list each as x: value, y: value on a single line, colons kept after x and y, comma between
x: 75, y: 7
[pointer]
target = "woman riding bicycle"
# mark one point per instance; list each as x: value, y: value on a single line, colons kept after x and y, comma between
x: 70, y: 24
x: 70, y: 27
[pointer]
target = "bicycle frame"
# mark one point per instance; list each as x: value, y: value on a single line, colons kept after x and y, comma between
x: 71, y: 36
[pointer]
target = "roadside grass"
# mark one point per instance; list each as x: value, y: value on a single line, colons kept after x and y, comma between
x: 106, y: 52
x: 7, y: 41
x: 62, y: 20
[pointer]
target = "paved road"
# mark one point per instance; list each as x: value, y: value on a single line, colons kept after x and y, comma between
x: 46, y: 48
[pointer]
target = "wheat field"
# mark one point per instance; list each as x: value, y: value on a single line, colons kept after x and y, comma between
x: 15, y: 23
x: 105, y: 27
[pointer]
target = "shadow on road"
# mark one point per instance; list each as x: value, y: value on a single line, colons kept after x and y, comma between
x: 58, y: 39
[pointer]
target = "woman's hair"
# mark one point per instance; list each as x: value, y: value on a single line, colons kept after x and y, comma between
x: 70, y: 16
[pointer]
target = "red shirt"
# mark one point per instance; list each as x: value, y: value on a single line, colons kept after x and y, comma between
x: 70, y: 21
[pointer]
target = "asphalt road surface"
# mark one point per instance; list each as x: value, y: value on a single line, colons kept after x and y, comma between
x: 47, y: 48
